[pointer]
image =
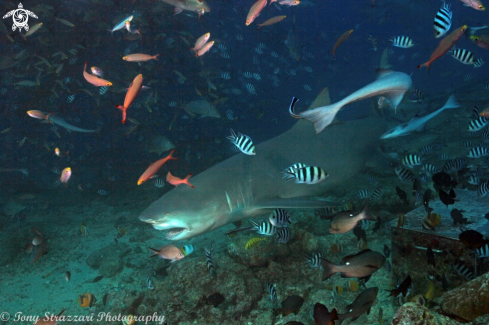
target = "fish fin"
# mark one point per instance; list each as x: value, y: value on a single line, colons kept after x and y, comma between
x: 328, y: 268
x: 382, y: 72
x: 177, y: 10
x: 322, y: 116
x: 349, y: 257
x: 291, y: 203
x: 155, y: 252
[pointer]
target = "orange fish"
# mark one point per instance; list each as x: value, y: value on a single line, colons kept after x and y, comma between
x: 140, y: 57
x: 131, y: 94
x: 444, y: 45
x: 340, y: 41
x: 204, y: 49
x: 38, y: 114
x: 65, y: 175
x: 485, y: 113
x: 58, y: 152
x: 49, y: 320
x: 200, y: 42
x: 271, y: 21
x: 94, y: 80
x: 255, y: 11
x: 169, y: 252
x: 154, y: 167
x: 173, y: 180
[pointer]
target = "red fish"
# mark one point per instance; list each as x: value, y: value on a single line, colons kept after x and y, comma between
x: 173, y: 180
x: 445, y: 44
x: 255, y: 11
x: 204, y: 49
x: 131, y: 94
x: 481, y: 41
x: 49, y: 320
x: 154, y: 167
x: 94, y: 80
x: 340, y: 41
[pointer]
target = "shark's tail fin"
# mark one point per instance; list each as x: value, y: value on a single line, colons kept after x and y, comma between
x: 451, y: 102
x: 322, y: 116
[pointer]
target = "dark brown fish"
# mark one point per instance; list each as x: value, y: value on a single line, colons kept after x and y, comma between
x: 360, y: 265
x: 458, y: 217
x: 96, y: 279
x: 292, y: 304
x: 402, y: 195
x: 345, y: 221
x: 447, y: 199
x: 402, y: 288
x: 322, y: 316
x: 472, y: 239
x: 362, y: 304
x: 68, y: 276
x: 214, y: 299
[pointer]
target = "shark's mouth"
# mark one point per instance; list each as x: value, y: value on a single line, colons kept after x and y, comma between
x: 175, y: 232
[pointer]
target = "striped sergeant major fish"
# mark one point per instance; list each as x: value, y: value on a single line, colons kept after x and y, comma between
x: 476, y: 111
x: 283, y: 236
x: 478, y: 124
x: 273, y: 293
x: 314, y: 260
x: 443, y: 20
x: 462, y: 55
x: 291, y: 169
x: 374, y: 42
x: 210, y: 263
x: 308, y: 175
x: 243, y: 143
x: 412, y: 160
x: 478, y: 152
x: 280, y: 218
x: 264, y: 228
x: 401, y: 41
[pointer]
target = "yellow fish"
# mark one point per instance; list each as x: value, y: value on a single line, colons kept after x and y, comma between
x: 255, y: 241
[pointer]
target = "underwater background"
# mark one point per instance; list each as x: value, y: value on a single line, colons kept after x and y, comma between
x: 76, y: 184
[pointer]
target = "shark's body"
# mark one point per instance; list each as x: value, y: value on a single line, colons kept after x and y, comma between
x: 198, y: 6
x: 62, y: 122
x: 245, y: 186
x: 418, y: 123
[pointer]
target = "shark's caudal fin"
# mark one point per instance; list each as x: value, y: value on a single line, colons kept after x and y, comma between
x: 451, y: 103
x: 322, y: 116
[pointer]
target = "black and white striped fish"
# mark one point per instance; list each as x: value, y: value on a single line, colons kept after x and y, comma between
x: 429, y: 168
x: 243, y: 143
x: 417, y: 198
x: 283, y: 235
x: 464, y: 271
x: 483, y: 189
x: 478, y: 152
x: 443, y: 20
x: 401, y: 41
x: 272, y: 292
x: 314, y: 260
x: 476, y: 111
x: 291, y: 169
x: 377, y: 194
x: 478, y: 124
x: 363, y: 194
x: 264, y: 228
x: 474, y: 178
x: 308, y: 175
x: 404, y: 174
x: 443, y: 156
x: 479, y: 62
x: 412, y: 160
x: 483, y: 251
x: 280, y: 218
x: 424, y: 177
x: 291, y: 108
x: 467, y: 144
x: 210, y: 263
x: 418, y: 93
x: 462, y: 55
x: 454, y: 165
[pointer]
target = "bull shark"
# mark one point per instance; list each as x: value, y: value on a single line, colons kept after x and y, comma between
x: 418, y: 123
x: 246, y: 186
x: 62, y: 122
x: 392, y: 85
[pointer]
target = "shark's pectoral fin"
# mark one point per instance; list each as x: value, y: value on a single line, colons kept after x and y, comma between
x: 302, y: 202
x: 394, y: 98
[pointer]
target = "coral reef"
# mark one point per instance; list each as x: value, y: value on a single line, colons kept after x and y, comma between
x: 108, y: 260
x: 412, y: 313
x: 468, y: 301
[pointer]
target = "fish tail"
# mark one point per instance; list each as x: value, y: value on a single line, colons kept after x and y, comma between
x: 322, y: 116
x: 123, y: 109
x: 155, y: 252
x: 170, y: 156
x: 328, y: 268
x: 185, y: 180
x: 365, y: 213
x: 156, y: 57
